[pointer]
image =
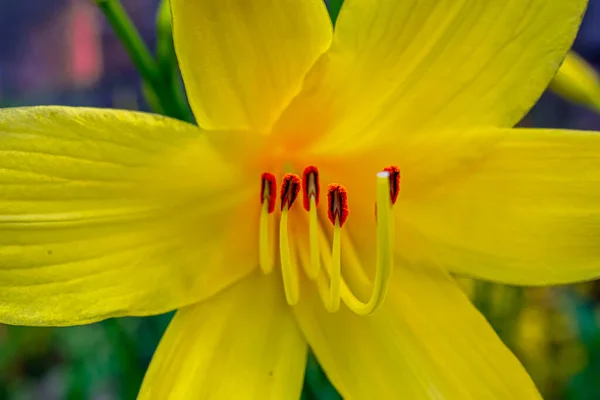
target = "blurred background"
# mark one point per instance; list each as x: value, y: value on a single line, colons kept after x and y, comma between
x: 64, y: 52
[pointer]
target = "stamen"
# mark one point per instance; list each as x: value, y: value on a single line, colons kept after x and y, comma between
x: 338, y: 213
x: 335, y: 291
x: 290, y: 188
x: 394, y: 177
x: 321, y: 281
x: 268, y: 190
x: 311, y: 192
x: 337, y: 201
x: 265, y: 238
x: 310, y: 186
x: 322, y: 284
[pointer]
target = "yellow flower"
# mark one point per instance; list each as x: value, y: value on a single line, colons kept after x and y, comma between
x: 110, y: 213
x: 577, y: 81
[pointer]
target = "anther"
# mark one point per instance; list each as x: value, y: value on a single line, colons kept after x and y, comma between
x: 337, y: 204
x: 310, y: 186
x: 268, y: 194
x: 268, y: 190
x: 311, y: 192
x: 290, y: 187
x: 337, y: 211
x: 394, y: 178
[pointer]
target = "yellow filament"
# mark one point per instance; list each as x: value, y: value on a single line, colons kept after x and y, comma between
x: 335, y: 276
x: 385, y: 234
x: 385, y: 259
x: 265, y: 259
x: 355, y: 268
x: 288, y: 269
x: 322, y: 284
x: 313, y: 269
x: 321, y: 280
x: 324, y: 291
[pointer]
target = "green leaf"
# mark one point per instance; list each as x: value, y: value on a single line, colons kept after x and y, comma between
x: 334, y: 7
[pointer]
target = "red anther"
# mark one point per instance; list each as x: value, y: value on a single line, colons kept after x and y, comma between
x: 394, y: 172
x: 268, y: 190
x: 337, y: 204
x: 310, y: 186
x: 290, y: 187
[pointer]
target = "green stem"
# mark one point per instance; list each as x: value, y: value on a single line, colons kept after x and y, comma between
x: 179, y: 98
x: 167, y: 61
x: 142, y: 58
x: 131, y: 39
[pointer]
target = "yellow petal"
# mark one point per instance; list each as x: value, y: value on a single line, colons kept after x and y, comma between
x: 426, y: 342
x: 577, y: 81
x: 525, y: 211
x: 243, y: 61
x: 241, y: 344
x: 402, y: 67
x: 106, y: 213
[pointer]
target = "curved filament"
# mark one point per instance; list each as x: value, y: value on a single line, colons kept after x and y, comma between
x: 338, y: 287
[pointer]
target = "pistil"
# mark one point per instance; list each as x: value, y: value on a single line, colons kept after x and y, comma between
x: 385, y: 254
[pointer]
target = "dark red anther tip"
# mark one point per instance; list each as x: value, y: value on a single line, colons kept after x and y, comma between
x: 394, y: 178
x: 310, y: 186
x: 290, y: 187
x: 337, y: 204
x: 268, y: 190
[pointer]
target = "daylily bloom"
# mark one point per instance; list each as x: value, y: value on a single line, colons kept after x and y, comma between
x: 109, y: 213
x: 578, y: 82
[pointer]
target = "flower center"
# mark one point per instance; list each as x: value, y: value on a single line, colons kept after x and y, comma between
x: 321, y: 255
